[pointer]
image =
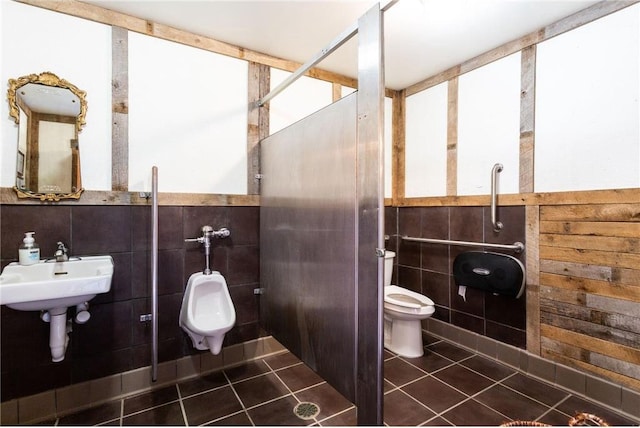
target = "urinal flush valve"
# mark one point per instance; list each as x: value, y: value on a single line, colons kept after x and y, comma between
x: 207, y: 233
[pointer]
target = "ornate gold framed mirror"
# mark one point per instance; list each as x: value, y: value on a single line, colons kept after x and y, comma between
x: 50, y: 113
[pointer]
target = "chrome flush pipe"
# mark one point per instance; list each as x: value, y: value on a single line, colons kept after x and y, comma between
x: 207, y: 234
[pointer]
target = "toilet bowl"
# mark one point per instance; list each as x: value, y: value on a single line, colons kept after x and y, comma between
x: 207, y: 312
x: 403, y: 312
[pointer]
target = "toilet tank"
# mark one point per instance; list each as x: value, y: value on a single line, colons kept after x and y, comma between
x: 388, y: 267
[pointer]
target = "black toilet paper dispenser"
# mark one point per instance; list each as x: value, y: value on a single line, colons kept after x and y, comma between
x: 492, y: 272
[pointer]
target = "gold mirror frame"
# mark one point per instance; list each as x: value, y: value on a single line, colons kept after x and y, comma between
x: 47, y: 79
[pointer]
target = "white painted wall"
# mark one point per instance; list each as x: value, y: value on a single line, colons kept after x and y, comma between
x: 303, y: 97
x: 187, y: 107
x: 76, y: 50
x: 587, y: 114
x: 489, y: 127
x: 426, y: 142
x: 188, y: 117
x: 587, y: 117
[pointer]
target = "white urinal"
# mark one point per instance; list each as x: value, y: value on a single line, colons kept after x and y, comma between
x: 207, y: 312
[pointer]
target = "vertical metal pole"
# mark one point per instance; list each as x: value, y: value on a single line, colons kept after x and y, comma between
x: 154, y: 272
x: 370, y: 219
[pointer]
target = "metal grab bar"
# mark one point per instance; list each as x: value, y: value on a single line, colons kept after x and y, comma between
x: 518, y: 247
x: 497, y: 225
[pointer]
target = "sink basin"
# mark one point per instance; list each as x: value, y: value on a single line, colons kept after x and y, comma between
x: 50, y: 285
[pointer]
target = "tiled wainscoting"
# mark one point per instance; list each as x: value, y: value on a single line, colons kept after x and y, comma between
x: 59, y: 402
x: 614, y: 396
x: 115, y: 339
x: 427, y: 268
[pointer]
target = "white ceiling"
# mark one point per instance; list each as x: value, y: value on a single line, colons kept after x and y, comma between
x: 422, y: 37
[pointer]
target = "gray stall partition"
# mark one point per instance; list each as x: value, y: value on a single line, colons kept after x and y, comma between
x: 308, y: 246
x: 322, y: 232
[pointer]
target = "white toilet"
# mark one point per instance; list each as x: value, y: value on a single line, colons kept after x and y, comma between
x: 207, y: 312
x: 403, y: 311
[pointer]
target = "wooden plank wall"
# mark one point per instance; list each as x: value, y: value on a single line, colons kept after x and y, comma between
x: 590, y: 288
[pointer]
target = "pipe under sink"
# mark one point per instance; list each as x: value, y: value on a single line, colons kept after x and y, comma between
x: 58, y: 333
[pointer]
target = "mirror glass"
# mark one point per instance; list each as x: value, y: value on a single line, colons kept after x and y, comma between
x: 49, y: 112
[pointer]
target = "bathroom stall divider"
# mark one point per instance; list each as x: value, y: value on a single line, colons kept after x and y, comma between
x: 322, y: 232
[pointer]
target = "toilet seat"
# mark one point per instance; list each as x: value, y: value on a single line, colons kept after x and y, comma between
x: 406, y: 301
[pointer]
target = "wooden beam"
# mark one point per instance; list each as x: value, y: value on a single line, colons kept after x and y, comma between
x: 585, y: 16
x: 109, y: 17
x: 336, y: 92
x: 588, y: 242
x: 585, y: 197
x: 398, y: 161
x: 120, y: 109
x: 532, y: 218
x: 452, y: 137
x: 592, y: 228
x: 578, y: 19
x: 595, y: 212
x: 594, y: 257
x: 257, y: 122
x: 621, y: 352
x: 527, y: 118
x: 611, y: 196
x: 96, y: 197
x: 614, y: 290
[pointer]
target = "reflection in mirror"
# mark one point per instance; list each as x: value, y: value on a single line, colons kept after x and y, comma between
x: 50, y: 112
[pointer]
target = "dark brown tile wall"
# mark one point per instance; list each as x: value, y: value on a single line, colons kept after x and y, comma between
x: 428, y: 268
x: 114, y: 340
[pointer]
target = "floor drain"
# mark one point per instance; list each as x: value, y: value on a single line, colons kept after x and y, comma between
x: 306, y: 410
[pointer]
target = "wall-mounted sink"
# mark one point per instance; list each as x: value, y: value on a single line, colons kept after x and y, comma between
x: 48, y: 284
x: 53, y: 287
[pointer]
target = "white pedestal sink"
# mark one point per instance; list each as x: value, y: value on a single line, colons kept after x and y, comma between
x: 54, y: 286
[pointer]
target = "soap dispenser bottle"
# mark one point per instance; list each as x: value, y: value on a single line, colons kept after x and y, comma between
x: 29, y: 252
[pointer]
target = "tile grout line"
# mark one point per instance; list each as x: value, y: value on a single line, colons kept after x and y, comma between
x: 182, y: 409
x: 436, y: 370
x: 531, y: 398
x: 468, y: 398
x: 447, y: 420
x: 224, y: 417
x: 293, y: 394
x: 336, y: 414
x: 498, y: 382
x: 419, y: 402
x: 396, y: 387
x: 206, y: 391
x: 244, y: 408
x: 284, y: 367
x: 555, y: 407
x: 577, y: 394
x: 295, y: 397
x: 137, y: 412
x: 121, y: 412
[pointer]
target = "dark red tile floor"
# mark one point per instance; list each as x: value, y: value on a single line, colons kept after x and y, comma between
x: 447, y: 386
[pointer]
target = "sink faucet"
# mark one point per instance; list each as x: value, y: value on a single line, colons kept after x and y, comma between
x: 62, y: 253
